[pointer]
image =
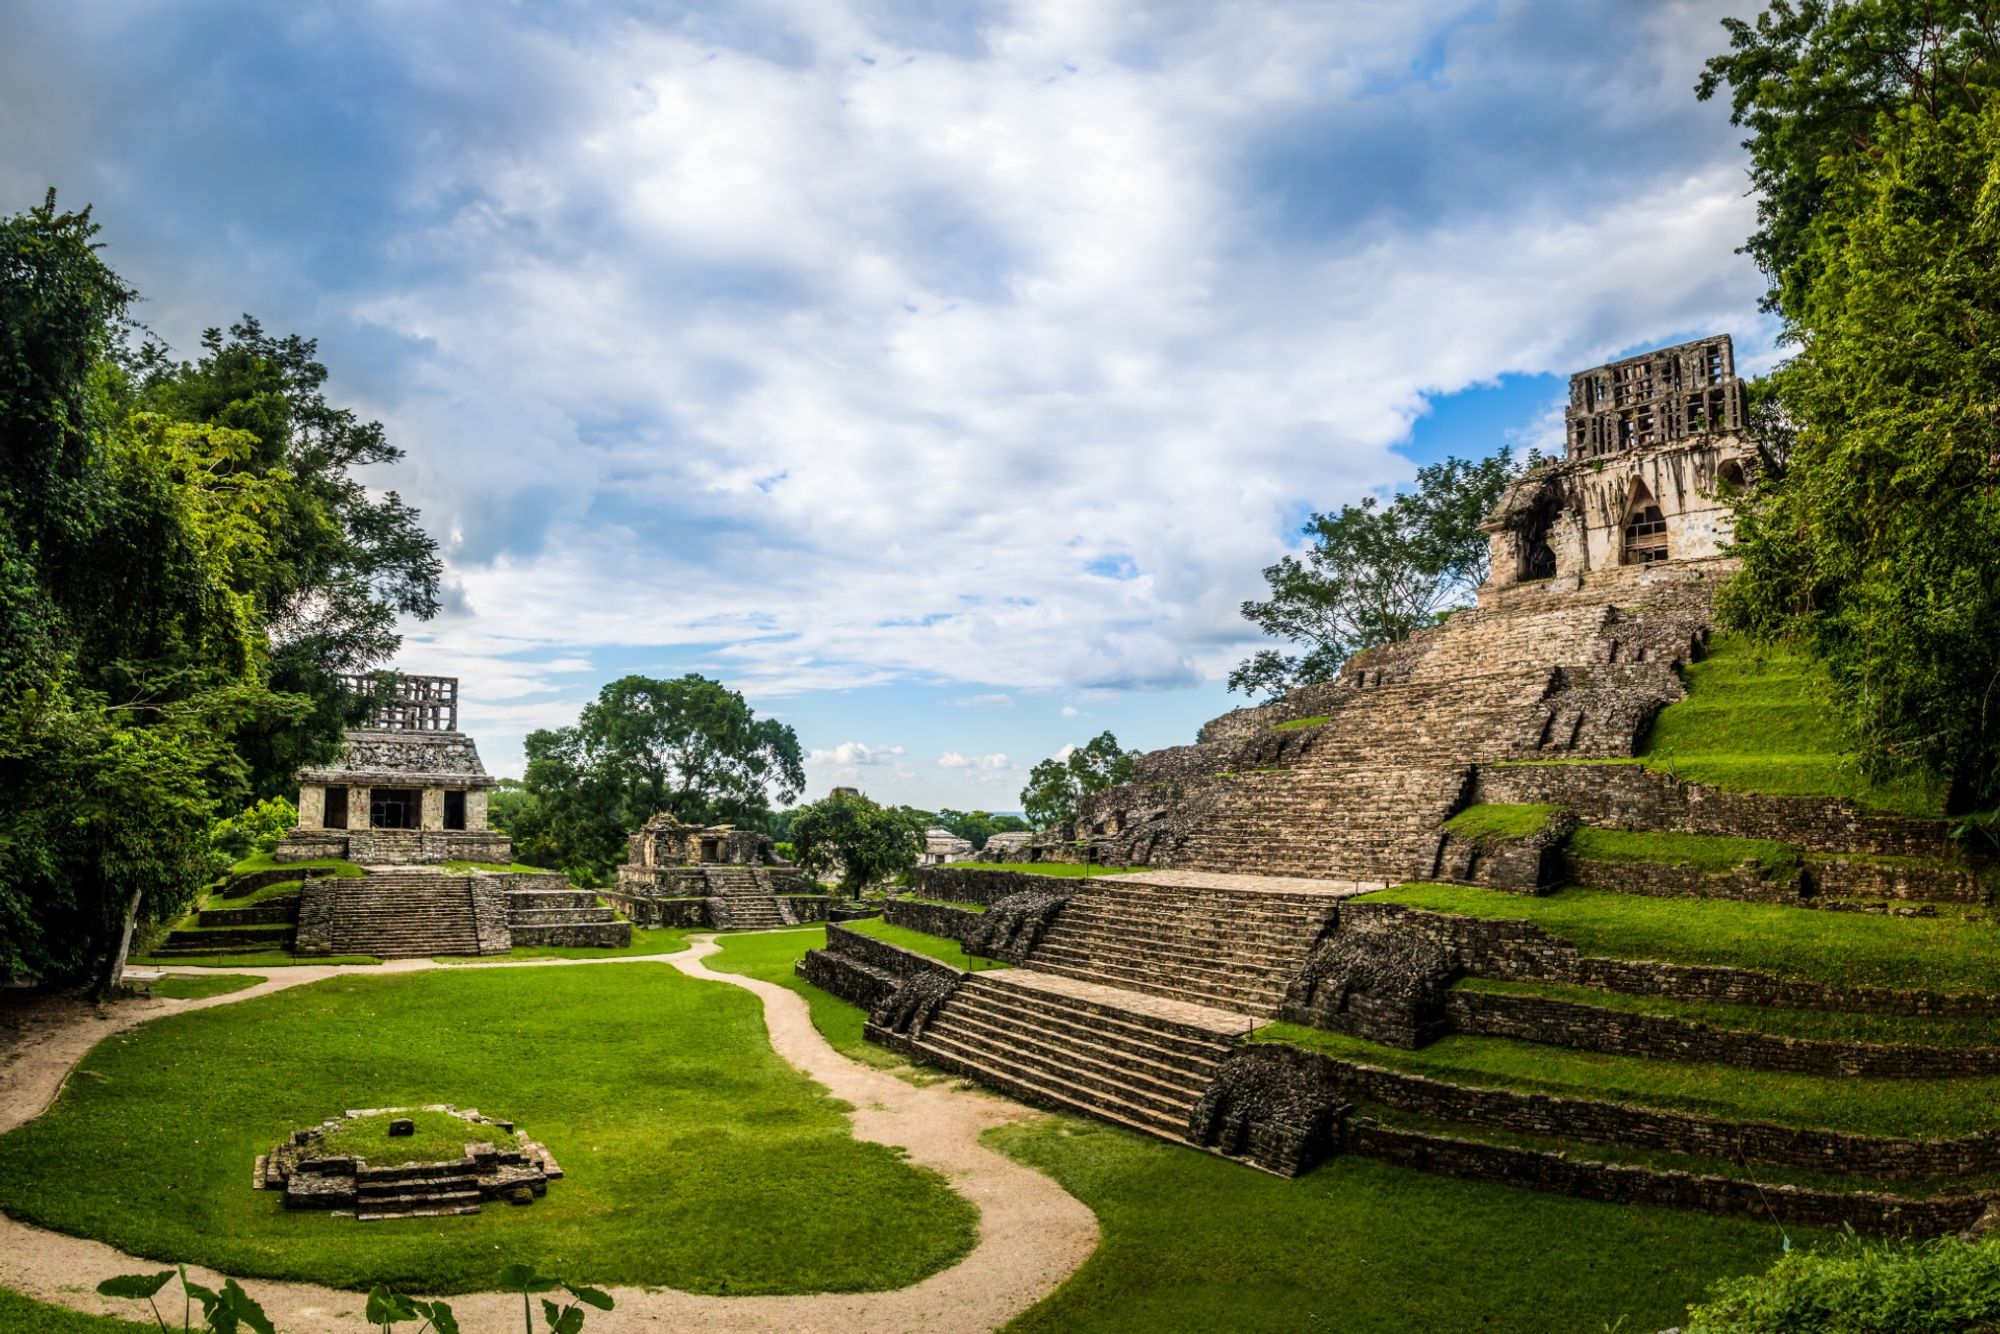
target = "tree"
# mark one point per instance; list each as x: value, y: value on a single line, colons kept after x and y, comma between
x: 978, y: 826
x: 1057, y: 785
x: 690, y: 748
x: 850, y: 835
x: 1878, y: 549
x: 1812, y: 79
x: 1374, y: 574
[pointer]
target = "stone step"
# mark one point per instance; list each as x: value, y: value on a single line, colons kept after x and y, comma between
x: 1208, y: 987
x: 1155, y: 987
x: 1197, y: 1021
x: 1161, y: 1114
x: 594, y: 935
x: 412, y: 1172
x: 1217, y: 939
x: 1029, y: 1007
x: 1138, y: 950
x: 553, y: 916
x: 1061, y: 1050
x: 1047, y: 1091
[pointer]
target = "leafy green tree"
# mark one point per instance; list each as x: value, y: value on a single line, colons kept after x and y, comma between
x: 689, y: 747
x: 258, y: 827
x: 1374, y: 574
x: 1056, y: 786
x: 1811, y: 81
x: 862, y: 842
x: 978, y: 826
x: 1878, y: 549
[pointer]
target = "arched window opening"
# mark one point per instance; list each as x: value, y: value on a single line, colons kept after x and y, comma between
x: 1538, y: 555
x: 1730, y: 479
x: 1645, y: 528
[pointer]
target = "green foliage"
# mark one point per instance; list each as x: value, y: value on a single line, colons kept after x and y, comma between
x: 695, y: 1157
x: 257, y: 828
x: 1755, y: 719
x: 978, y: 826
x: 224, y: 1312
x: 1493, y: 820
x: 851, y: 836
x: 1949, y: 952
x: 337, y: 867
x: 387, y: 1309
x: 1876, y: 548
x: 1374, y: 574
x: 1298, y: 724
x: 1056, y: 786
x: 690, y: 748
x: 438, y: 1137
x: 1857, y: 1286
x: 1704, y: 852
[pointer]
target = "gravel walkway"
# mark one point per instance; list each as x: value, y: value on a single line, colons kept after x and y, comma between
x: 1032, y: 1234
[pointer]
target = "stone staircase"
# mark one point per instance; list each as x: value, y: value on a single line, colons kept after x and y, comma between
x: 1133, y: 1060
x: 422, y: 1190
x: 1215, y: 948
x: 547, y: 910
x: 742, y: 898
x: 404, y: 913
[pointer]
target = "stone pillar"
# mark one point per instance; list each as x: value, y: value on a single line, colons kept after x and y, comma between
x: 359, y: 800
x: 433, y: 812
x: 312, y: 806
x: 475, y: 811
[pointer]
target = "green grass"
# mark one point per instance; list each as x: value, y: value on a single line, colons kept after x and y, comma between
x: 1753, y: 721
x: 276, y: 930
x: 947, y: 903
x: 1826, y: 1025
x: 1902, y: 1107
x: 1193, y: 1242
x: 1296, y: 723
x: 770, y: 955
x: 1065, y: 870
x: 201, y: 988
x: 645, y: 940
x: 25, y: 1315
x: 1493, y: 820
x: 937, y: 947
x: 694, y: 1157
x: 256, y: 959
x: 264, y: 861
x: 1944, y: 953
x: 284, y: 889
x: 504, y: 867
x: 1704, y: 852
x: 437, y: 1137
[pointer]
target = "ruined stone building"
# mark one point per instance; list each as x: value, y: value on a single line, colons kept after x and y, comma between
x: 678, y: 874
x: 408, y: 786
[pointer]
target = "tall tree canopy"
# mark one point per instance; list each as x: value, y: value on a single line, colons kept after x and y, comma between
x: 144, y: 546
x: 1374, y: 574
x: 1056, y: 786
x: 689, y: 747
x: 853, y: 836
x: 1875, y: 134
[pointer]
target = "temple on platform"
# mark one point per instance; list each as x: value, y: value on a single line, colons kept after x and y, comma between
x: 408, y: 787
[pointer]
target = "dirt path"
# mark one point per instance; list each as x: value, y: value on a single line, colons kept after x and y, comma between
x: 1032, y: 1234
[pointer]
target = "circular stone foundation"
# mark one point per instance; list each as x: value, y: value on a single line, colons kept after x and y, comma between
x: 407, y: 1162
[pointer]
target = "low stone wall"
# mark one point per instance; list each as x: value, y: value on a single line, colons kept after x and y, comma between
x: 489, y: 913
x: 1624, y: 1184
x: 1747, y: 883
x: 1940, y: 883
x: 300, y: 847
x: 863, y: 970
x: 646, y: 911
x: 799, y: 909
x: 1522, y: 952
x: 396, y: 847
x: 1630, y: 796
x: 934, y: 919
x: 263, y: 914
x: 1584, y: 1027
x: 982, y: 885
x: 236, y: 886
x: 316, y: 913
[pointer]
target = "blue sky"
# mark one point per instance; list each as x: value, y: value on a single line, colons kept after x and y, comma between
x: 941, y: 376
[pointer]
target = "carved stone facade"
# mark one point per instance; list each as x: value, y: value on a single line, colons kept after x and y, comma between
x: 408, y: 787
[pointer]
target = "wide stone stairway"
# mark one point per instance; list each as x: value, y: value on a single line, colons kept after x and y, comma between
x: 548, y: 910
x: 742, y: 898
x: 403, y: 914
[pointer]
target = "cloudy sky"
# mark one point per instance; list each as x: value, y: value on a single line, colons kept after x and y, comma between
x: 939, y: 375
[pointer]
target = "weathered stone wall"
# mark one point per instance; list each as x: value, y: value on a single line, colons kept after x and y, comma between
x: 316, y: 917
x: 1748, y: 883
x: 1620, y: 1032
x: 1522, y: 952
x: 975, y: 884
x: 1630, y: 796
x: 1943, y: 882
x: 397, y: 847
x: 863, y: 970
x: 489, y: 913
x: 934, y: 919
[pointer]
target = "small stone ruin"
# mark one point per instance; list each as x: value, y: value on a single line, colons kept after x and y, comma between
x: 498, y: 1163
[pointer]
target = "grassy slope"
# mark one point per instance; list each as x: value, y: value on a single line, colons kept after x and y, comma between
x: 1704, y: 852
x: 1193, y: 1242
x: 24, y: 1315
x: 264, y: 861
x: 1752, y: 722
x: 1494, y: 820
x: 770, y: 956
x: 938, y: 947
x: 1944, y: 953
x: 694, y: 1157
x: 1929, y: 1107
x: 200, y: 988
x: 436, y: 1137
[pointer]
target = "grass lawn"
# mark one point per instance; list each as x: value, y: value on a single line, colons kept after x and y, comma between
x: 1704, y: 852
x: 1753, y: 722
x: 938, y: 947
x: 258, y: 959
x: 645, y: 940
x: 264, y: 861
x: 1193, y: 1242
x: 284, y: 889
x: 1943, y: 953
x: 695, y: 1157
x: 200, y: 988
x: 769, y: 956
x: 1495, y: 820
x: 25, y: 1315
x: 436, y: 1137
x: 1903, y: 1107
x: 516, y: 867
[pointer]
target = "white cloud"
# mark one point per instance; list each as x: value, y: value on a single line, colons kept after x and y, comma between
x: 853, y: 753
x: 951, y: 759
x: 1070, y: 712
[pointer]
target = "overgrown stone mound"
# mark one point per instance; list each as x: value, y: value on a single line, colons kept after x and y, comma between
x: 1384, y: 986
x: 910, y: 1009
x: 398, y: 1162
x: 1012, y: 926
x: 1274, y: 1106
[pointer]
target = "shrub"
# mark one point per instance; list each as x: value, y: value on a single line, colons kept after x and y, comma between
x: 1862, y: 1287
x: 254, y: 829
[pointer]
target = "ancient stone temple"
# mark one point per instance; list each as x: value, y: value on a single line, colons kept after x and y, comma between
x: 679, y: 874
x: 408, y: 787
